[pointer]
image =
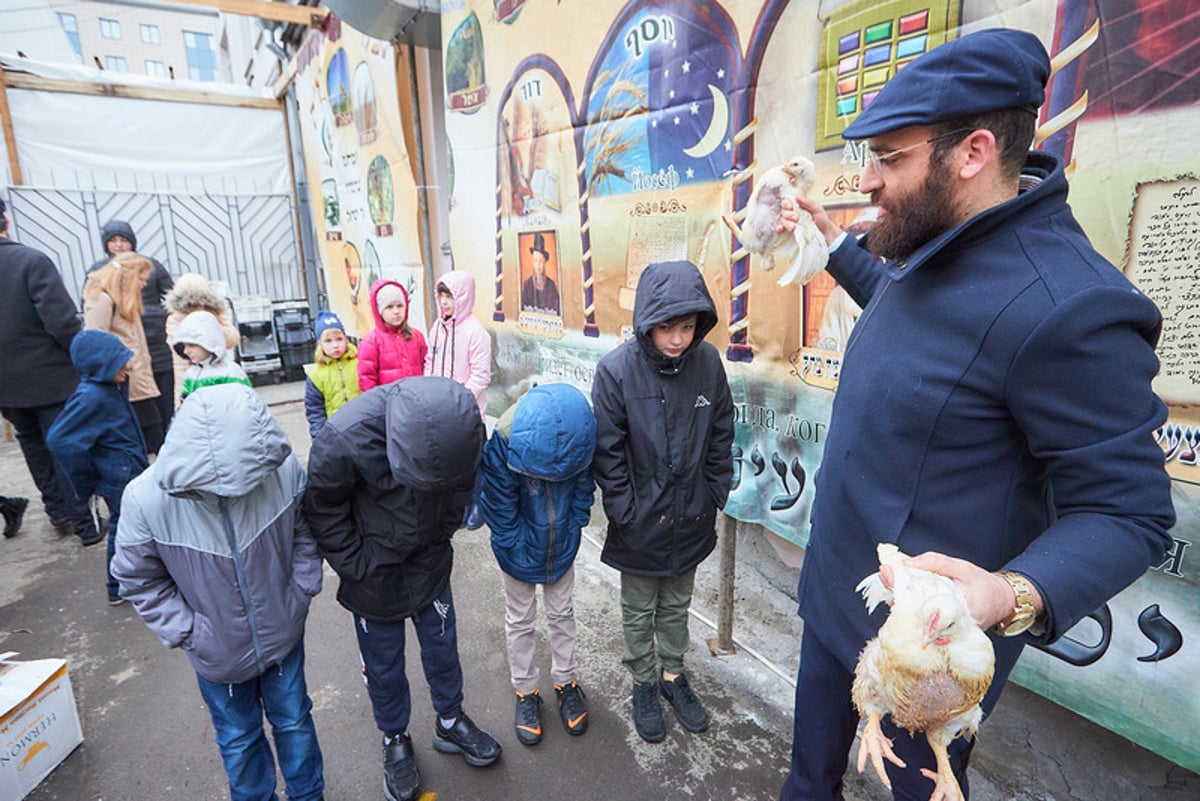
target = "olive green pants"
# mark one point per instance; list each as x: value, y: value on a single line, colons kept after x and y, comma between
x: 654, y: 616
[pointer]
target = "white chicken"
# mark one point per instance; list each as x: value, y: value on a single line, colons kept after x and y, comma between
x: 928, y: 668
x: 803, y: 250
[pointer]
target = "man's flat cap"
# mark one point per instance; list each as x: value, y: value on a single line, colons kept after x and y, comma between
x: 983, y: 71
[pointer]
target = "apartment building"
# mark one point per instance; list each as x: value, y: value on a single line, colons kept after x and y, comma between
x: 163, y: 40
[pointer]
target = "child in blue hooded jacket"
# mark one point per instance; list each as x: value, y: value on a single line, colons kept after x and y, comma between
x: 536, y: 498
x: 96, y: 438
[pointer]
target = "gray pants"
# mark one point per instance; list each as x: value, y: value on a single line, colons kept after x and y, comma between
x: 520, y: 616
x: 654, y: 614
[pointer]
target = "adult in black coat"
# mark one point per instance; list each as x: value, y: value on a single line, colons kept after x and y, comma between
x: 117, y: 237
x: 388, y: 479
x: 36, y: 374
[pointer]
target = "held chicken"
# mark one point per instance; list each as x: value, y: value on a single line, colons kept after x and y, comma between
x: 928, y: 668
x: 803, y: 250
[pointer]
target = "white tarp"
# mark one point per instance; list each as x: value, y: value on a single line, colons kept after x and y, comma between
x: 121, y: 144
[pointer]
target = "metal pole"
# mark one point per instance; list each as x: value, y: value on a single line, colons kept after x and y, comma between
x: 722, y: 644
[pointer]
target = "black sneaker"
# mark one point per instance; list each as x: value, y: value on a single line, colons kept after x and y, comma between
x: 400, y: 778
x: 687, y: 705
x: 528, y: 720
x: 13, y: 510
x: 63, y: 528
x: 647, y: 713
x: 477, y: 746
x: 89, y: 535
x: 571, y: 707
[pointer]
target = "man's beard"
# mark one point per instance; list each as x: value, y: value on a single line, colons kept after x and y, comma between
x: 916, y: 218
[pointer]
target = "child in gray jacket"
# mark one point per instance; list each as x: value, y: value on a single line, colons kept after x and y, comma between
x: 213, y: 554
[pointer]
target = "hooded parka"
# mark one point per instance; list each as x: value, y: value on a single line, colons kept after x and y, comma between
x: 191, y: 293
x: 96, y: 438
x: 665, y: 432
x: 203, y: 328
x: 211, y: 549
x: 460, y: 347
x: 537, y: 482
x: 389, y: 477
x: 385, y: 354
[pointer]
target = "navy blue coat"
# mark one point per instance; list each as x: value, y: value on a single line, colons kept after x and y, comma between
x: 994, y: 405
x: 96, y: 438
x: 537, y: 482
x: 664, y: 442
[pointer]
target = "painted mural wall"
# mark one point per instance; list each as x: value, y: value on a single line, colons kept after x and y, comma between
x: 588, y: 139
x: 364, y: 193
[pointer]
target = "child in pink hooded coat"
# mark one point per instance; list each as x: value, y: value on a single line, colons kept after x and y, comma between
x: 392, y: 350
x: 460, y: 346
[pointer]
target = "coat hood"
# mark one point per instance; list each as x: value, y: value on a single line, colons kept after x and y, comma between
x: 223, y: 441
x: 462, y: 287
x: 553, y: 434
x: 378, y: 285
x: 192, y: 292
x: 434, y: 433
x: 202, y: 328
x: 116, y: 228
x: 98, y: 355
x: 667, y: 290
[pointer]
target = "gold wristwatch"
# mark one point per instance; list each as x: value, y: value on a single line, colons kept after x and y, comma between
x: 1024, y: 614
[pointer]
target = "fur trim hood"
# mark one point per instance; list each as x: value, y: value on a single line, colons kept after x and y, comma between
x: 192, y: 292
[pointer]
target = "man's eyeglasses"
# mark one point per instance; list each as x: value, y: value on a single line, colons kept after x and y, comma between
x: 888, y: 157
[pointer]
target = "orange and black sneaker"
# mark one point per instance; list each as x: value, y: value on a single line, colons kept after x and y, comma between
x: 528, y: 720
x: 571, y: 707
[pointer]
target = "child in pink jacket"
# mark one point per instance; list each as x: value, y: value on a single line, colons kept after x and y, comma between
x: 460, y: 346
x: 392, y: 350
x: 462, y: 350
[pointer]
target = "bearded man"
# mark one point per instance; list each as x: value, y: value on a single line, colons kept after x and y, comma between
x: 994, y: 412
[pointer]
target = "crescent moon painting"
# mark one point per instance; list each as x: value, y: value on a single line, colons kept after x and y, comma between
x: 661, y: 102
x: 716, y: 127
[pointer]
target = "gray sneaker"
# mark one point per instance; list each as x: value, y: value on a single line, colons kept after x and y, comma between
x: 687, y: 705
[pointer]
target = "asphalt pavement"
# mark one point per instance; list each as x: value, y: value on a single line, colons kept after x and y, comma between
x: 147, y: 734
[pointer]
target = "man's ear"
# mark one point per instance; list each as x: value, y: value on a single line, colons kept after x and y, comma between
x: 976, y: 152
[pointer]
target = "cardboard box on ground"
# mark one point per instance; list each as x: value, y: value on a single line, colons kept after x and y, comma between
x: 39, y: 724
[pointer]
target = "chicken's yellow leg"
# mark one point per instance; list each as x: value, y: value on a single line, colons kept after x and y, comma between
x: 947, y: 785
x: 873, y: 743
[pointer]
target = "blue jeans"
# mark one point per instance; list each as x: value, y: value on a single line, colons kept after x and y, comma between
x: 113, y: 502
x: 237, y: 712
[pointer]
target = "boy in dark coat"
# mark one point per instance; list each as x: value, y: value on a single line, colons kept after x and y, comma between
x: 664, y: 463
x: 96, y: 438
x: 388, y: 478
x: 537, y: 497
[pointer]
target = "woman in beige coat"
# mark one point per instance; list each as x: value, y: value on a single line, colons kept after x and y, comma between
x: 192, y: 292
x: 112, y: 302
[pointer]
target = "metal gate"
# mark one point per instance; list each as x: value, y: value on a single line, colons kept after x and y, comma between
x: 246, y: 241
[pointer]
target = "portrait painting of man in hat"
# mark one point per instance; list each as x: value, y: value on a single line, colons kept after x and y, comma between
x: 539, y: 293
